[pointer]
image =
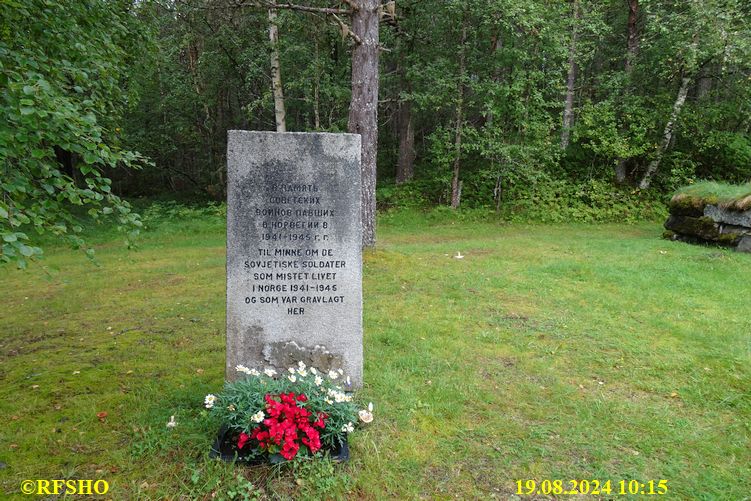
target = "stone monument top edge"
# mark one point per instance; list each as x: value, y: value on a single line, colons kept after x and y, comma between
x: 271, y: 132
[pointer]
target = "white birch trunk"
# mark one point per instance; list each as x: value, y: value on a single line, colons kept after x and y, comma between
x: 280, y: 114
x: 667, y: 134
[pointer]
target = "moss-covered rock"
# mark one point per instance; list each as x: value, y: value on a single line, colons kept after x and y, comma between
x: 669, y: 235
x: 702, y: 227
x: 730, y: 239
x: 731, y: 197
x: 742, y: 204
x: 687, y: 205
x: 711, y: 212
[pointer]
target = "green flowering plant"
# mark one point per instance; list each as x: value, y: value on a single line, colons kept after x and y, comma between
x: 298, y: 412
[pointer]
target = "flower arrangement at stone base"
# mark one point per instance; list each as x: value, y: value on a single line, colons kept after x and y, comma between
x: 274, y: 417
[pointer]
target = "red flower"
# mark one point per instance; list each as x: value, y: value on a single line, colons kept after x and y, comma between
x: 244, y: 437
x: 289, y: 425
x: 320, y: 423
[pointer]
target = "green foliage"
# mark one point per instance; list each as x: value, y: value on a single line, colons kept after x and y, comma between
x: 210, y: 73
x: 623, y: 113
x: 319, y: 478
x: 609, y: 135
x: 596, y: 201
x: 534, y: 198
x: 86, y: 84
x: 241, y: 489
x: 170, y: 211
x: 61, y: 73
x: 413, y: 194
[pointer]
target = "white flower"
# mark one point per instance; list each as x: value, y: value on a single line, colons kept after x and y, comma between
x: 258, y: 417
x: 171, y: 423
x: 292, y: 378
x: 339, y: 396
x: 209, y: 401
x: 245, y: 370
x: 231, y: 408
x: 348, y: 428
x: 318, y: 380
x: 313, y: 371
x: 349, y: 383
x: 341, y: 372
x: 291, y: 370
x: 270, y: 372
x: 302, y: 372
x: 333, y: 374
x: 329, y: 401
x: 366, y: 415
x: 301, y: 366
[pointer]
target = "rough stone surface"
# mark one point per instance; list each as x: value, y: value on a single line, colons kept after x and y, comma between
x: 288, y: 354
x: 727, y: 216
x: 702, y: 227
x: 726, y: 229
x: 716, y: 225
x: 744, y: 245
x: 294, y: 263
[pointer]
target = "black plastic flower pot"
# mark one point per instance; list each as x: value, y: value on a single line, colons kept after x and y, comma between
x: 224, y: 448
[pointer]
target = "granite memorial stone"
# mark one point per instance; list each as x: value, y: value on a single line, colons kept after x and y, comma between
x: 294, y: 262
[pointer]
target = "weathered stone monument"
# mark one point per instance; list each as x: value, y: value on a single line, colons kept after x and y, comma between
x: 294, y: 262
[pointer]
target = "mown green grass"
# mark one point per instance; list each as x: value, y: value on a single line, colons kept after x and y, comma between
x: 547, y: 352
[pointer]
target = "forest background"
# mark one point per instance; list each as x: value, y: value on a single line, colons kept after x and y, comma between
x: 543, y: 110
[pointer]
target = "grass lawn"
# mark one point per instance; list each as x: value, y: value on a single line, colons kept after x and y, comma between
x: 548, y: 352
x: 734, y: 196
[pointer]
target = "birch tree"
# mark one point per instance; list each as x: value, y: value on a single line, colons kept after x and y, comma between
x: 280, y: 114
x: 696, y: 35
x: 363, y: 29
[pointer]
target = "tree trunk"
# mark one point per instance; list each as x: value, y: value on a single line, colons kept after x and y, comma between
x: 363, y: 110
x: 704, y: 83
x: 276, y: 75
x: 568, y: 108
x: 405, y: 166
x: 632, y: 48
x: 667, y: 135
x: 620, y: 171
x: 632, y: 38
x: 456, y: 185
x: 498, y: 192
x: 316, y: 92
